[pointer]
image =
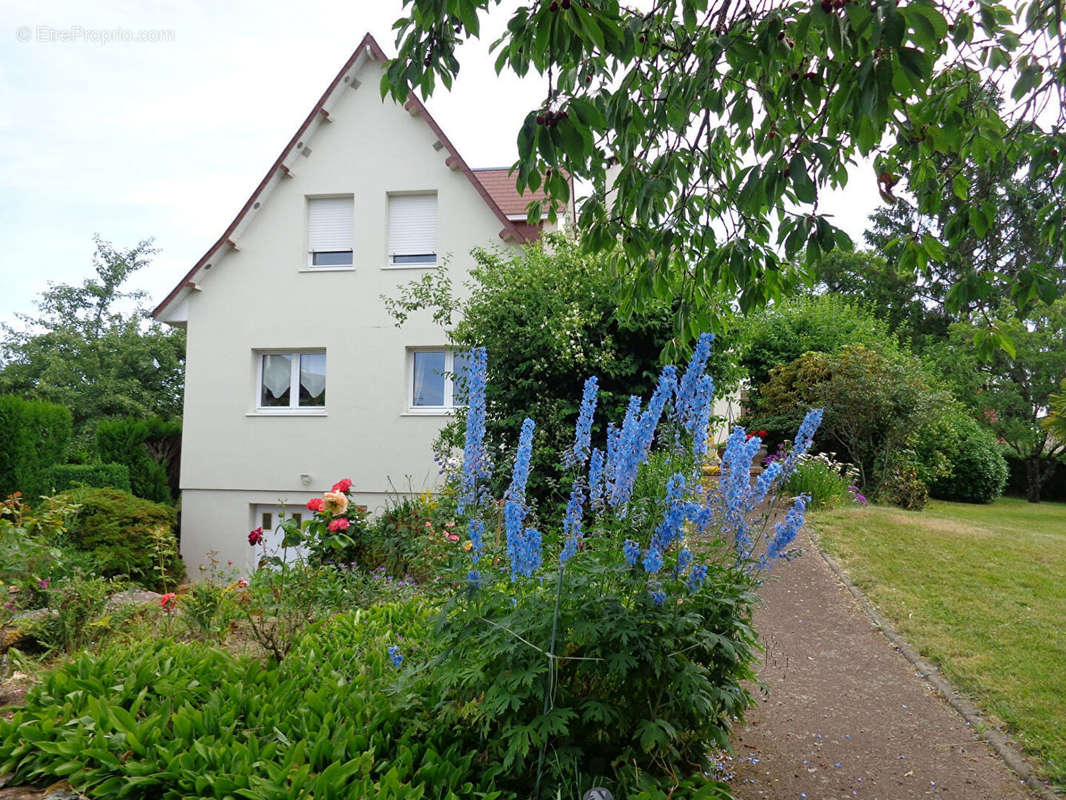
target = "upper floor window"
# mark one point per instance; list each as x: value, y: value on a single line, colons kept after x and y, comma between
x: 329, y: 231
x: 438, y: 379
x: 412, y: 229
x: 292, y: 381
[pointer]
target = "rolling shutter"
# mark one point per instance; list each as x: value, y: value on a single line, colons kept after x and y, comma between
x: 330, y: 221
x: 412, y: 224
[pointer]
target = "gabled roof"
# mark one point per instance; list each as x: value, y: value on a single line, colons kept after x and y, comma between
x: 501, y: 185
x: 491, y: 189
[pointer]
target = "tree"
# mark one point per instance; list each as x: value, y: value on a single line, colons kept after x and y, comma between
x: 727, y: 119
x: 1055, y: 422
x: 877, y: 284
x: 1012, y: 392
x: 84, y: 349
x: 547, y: 317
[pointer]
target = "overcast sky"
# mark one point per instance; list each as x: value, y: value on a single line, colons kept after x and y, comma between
x: 166, y: 138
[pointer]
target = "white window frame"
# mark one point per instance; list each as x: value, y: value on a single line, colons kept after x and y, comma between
x: 310, y: 265
x: 389, y: 255
x: 294, y: 406
x: 449, y: 382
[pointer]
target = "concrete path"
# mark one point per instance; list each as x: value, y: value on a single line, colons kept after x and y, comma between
x: 847, y: 716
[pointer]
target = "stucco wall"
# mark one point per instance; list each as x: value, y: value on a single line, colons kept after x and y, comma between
x: 260, y: 297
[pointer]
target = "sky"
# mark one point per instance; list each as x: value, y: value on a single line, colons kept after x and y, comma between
x: 138, y: 120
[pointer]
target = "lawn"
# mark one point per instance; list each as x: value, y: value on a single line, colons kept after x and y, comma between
x: 979, y: 590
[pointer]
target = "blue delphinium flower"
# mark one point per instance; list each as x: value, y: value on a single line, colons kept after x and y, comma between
x: 802, y: 443
x: 653, y: 561
x: 696, y: 578
x: 579, y: 454
x: 674, y: 516
x: 596, y: 479
x: 684, y: 560
x: 514, y: 508
x: 526, y: 558
x: 476, y: 463
x: 476, y: 529
x: 785, y: 531
x: 635, y: 440
x: 395, y: 656
x: 572, y: 522
x: 631, y: 550
x: 699, y: 420
x: 473, y: 577
x: 764, y: 482
x: 688, y: 386
x: 658, y: 596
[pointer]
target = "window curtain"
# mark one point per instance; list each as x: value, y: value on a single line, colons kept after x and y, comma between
x: 277, y: 373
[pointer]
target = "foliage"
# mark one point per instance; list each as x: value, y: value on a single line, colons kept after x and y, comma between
x: 129, y: 536
x: 978, y: 469
x: 33, y: 436
x: 902, y: 484
x: 414, y: 536
x: 1055, y: 421
x: 873, y: 402
x: 151, y: 451
x: 34, y: 553
x: 786, y: 330
x: 641, y: 666
x: 828, y: 482
x: 548, y: 316
x: 1011, y: 392
x: 189, y: 721
x: 73, y: 606
x: 727, y: 121
x: 99, y: 476
x: 868, y: 279
x: 82, y: 351
x: 978, y: 590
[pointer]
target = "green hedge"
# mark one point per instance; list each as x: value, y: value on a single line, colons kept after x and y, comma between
x: 151, y: 451
x: 33, y: 436
x: 127, y: 535
x: 100, y: 476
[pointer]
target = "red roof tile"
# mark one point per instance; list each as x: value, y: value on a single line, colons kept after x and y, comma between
x: 501, y: 187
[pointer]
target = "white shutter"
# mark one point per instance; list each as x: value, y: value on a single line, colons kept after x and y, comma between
x: 412, y: 224
x: 330, y: 221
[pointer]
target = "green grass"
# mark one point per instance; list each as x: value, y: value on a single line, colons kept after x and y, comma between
x: 981, y: 591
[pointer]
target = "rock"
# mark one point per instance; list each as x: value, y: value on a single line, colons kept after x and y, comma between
x: 57, y: 791
x: 132, y: 597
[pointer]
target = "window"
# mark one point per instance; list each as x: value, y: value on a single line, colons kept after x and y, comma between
x: 438, y: 379
x: 412, y: 229
x: 292, y: 381
x: 329, y: 231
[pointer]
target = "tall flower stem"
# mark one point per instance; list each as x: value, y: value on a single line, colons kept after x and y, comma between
x: 550, y: 682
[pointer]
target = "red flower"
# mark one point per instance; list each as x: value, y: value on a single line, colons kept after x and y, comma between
x: 762, y: 433
x: 255, y: 537
x: 315, y: 504
x: 339, y: 524
x: 342, y: 485
x: 168, y: 601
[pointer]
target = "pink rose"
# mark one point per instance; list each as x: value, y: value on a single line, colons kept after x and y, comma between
x: 315, y: 504
x: 342, y: 485
x: 255, y: 537
x: 168, y: 600
x: 340, y: 524
x: 243, y: 583
x: 449, y: 524
x: 429, y: 524
x: 453, y: 537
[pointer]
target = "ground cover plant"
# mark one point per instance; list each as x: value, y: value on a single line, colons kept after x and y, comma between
x: 612, y: 649
x: 978, y: 589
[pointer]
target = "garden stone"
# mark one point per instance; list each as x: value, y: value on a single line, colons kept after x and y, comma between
x: 132, y: 597
x: 57, y: 791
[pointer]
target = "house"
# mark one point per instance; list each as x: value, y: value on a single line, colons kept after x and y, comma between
x: 295, y: 374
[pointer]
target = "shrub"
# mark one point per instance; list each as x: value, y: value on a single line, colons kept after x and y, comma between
x: 128, y: 535
x: 827, y: 482
x: 174, y: 720
x: 783, y: 332
x: 151, y: 451
x: 73, y: 605
x: 978, y: 469
x: 33, y: 436
x: 100, y: 476
x: 902, y: 485
x: 414, y: 536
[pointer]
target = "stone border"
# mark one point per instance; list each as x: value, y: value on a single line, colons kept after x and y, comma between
x: 985, y: 731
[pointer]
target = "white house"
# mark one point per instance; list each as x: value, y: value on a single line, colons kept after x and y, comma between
x: 296, y: 376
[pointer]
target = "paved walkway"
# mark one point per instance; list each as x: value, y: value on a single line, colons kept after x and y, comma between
x: 847, y: 716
